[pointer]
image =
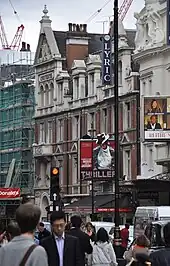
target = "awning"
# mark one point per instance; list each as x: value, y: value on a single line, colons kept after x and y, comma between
x: 102, y: 203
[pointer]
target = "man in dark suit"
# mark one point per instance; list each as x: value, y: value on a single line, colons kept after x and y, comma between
x: 62, y: 249
x: 43, y: 232
x: 84, y: 239
x: 153, y: 124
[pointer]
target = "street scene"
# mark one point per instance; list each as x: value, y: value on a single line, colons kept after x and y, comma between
x: 85, y: 133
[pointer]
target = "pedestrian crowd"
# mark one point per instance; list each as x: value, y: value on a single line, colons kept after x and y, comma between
x: 71, y: 244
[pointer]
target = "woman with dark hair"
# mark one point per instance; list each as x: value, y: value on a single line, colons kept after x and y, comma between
x: 103, y: 252
x: 154, y: 108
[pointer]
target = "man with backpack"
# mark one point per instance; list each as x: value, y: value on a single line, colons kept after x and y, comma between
x: 21, y: 250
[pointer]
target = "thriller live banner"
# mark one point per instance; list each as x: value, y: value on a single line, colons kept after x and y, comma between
x: 97, y: 158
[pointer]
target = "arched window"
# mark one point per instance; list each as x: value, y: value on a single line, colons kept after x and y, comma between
x: 46, y: 95
x: 120, y: 72
x: 42, y: 95
x: 51, y: 92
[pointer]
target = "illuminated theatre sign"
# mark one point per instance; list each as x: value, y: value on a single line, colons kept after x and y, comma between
x: 106, y: 60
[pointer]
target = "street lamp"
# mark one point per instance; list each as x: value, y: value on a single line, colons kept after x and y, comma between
x: 117, y: 238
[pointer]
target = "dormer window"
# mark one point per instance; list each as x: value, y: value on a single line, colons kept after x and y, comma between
x: 76, y: 87
x: 91, y: 83
x: 46, y: 95
x: 42, y: 95
x: 120, y: 72
x: 60, y: 92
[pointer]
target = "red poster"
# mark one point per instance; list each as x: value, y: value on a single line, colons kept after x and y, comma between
x: 9, y: 193
x: 100, y: 158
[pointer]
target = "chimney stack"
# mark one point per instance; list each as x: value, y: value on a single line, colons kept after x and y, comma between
x: 70, y: 27
x: 23, y: 48
x: 76, y: 43
x: 28, y: 47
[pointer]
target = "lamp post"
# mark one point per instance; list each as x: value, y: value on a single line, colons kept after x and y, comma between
x: 92, y: 131
x: 117, y: 239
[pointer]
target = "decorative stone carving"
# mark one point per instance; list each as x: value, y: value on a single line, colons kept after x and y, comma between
x: 140, y: 32
x: 149, y: 28
x: 154, y: 23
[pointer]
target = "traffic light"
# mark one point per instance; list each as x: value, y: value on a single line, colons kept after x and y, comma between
x: 54, y: 182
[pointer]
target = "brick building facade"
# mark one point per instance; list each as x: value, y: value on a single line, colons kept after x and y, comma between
x: 70, y: 97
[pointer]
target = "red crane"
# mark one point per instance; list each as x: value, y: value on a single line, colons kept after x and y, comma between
x: 15, y: 44
x: 124, y: 8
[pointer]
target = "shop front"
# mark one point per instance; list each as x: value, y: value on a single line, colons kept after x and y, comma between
x: 9, y: 202
x: 104, y: 208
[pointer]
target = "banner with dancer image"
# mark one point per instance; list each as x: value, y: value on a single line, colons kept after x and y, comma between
x: 97, y: 158
x: 157, y: 118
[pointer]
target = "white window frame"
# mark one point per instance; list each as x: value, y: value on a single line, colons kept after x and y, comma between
x: 127, y: 162
x: 76, y: 85
x: 76, y: 127
x: 60, y: 130
x: 42, y: 133
x: 127, y: 116
x: 92, y: 83
x: 50, y: 132
x: 75, y: 180
x: 60, y: 92
x: 105, y: 120
x: 92, y: 119
x: 42, y: 96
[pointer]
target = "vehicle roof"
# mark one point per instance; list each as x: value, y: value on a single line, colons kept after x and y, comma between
x: 152, y: 207
x: 162, y: 222
x: 103, y: 223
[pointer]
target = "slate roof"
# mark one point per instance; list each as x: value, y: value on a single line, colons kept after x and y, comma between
x: 94, y: 40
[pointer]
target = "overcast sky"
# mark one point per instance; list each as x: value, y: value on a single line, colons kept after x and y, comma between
x: 61, y: 13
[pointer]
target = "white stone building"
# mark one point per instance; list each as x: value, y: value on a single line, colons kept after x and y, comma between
x: 153, y: 56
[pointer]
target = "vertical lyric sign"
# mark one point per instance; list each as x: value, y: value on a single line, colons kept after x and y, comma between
x: 106, y: 60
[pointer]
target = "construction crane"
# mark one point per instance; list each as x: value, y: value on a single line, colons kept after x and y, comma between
x: 15, y: 44
x: 122, y: 10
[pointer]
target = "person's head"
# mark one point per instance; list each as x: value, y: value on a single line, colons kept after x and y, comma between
x: 104, y: 145
x: 13, y: 230
x: 76, y: 221
x: 127, y: 226
x: 58, y: 222
x: 68, y: 226
x: 153, y: 119
x: 102, y: 235
x: 41, y: 227
x: 154, y: 104
x: 142, y: 241
x: 89, y: 226
x: 166, y: 233
x: 27, y: 217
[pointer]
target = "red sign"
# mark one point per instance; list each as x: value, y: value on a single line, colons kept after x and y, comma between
x: 100, y: 158
x: 9, y: 193
x: 97, y: 210
x: 113, y: 210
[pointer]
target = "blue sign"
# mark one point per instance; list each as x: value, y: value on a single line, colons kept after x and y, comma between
x: 168, y: 22
x: 106, y: 60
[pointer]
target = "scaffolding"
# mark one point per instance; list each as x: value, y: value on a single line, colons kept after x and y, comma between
x: 17, y: 106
